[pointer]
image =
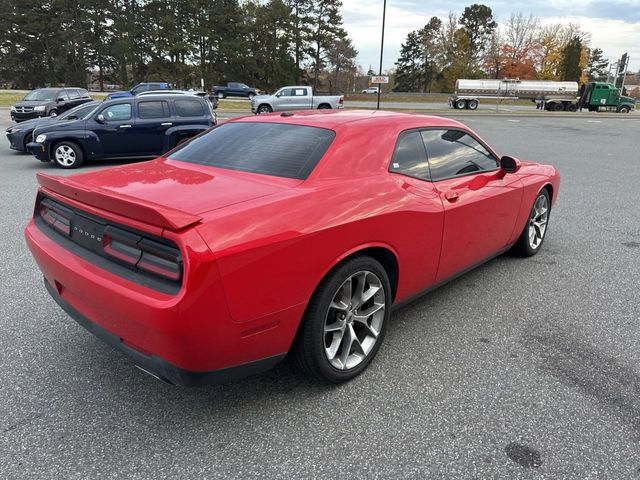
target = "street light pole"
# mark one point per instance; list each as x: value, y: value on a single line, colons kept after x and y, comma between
x: 384, y: 12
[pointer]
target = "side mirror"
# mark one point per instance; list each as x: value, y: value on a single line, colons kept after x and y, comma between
x: 100, y: 118
x: 509, y: 164
x: 278, y: 94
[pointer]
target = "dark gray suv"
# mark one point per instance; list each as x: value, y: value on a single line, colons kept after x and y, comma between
x: 48, y: 102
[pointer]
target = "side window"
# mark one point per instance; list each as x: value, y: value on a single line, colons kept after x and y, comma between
x: 63, y: 95
x: 286, y: 92
x: 155, y: 86
x: 189, y: 108
x: 74, y: 93
x: 454, y: 152
x: 234, y: 85
x: 122, y: 111
x: 83, y: 93
x: 155, y: 109
x: 139, y: 89
x: 410, y: 157
x: 299, y: 92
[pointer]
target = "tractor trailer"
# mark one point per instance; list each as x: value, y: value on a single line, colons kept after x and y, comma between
x: 549, y: 95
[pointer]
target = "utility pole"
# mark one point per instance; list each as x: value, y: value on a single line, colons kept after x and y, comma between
x: 384, y: 12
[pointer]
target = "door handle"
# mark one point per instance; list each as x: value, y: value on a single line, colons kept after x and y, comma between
x: 451, y: 196
x: 166, y: 124
x: 125, y: 126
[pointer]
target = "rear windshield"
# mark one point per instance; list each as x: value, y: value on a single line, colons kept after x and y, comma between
x: 277, y: 149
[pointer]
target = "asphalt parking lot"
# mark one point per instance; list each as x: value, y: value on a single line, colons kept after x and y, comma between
x: 519, y: 369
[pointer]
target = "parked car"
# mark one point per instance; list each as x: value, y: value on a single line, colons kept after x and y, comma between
x: 138, y: 89
x: 234, y: 89
x: 212, y: 98
x: 21, y: 134
x: 48, y: 102
x: 295, y: 98
x: 370, y: 90
x: 135, y: 127
x: 280, y: 234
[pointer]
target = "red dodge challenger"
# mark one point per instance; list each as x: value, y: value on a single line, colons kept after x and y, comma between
x: 284, y: 233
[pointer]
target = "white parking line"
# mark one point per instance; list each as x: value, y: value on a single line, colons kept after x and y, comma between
x: 514, y: 121
x: 594, y: 121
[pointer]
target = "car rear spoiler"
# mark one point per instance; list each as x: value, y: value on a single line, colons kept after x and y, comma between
x: 124, y: 205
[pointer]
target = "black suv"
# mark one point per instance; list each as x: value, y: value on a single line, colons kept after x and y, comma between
x: 48, y: 102
x: 132, y: 127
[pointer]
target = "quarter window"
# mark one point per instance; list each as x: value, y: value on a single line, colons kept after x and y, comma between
x: 118, y: 112
x: 74, y: 94
x: 410, y: 157
x: 63, y: 95
x: 454, y: 153
x: 189, y: 108
x: 158, y: 109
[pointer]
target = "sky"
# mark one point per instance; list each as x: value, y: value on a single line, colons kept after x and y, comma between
x: 614, y: 24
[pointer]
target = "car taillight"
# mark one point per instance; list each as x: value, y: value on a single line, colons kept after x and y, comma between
x: 143, y: 253
x: 341, y: 101
x: 56, y: 216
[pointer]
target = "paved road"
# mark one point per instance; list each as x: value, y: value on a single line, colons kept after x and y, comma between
x: 520, y: 369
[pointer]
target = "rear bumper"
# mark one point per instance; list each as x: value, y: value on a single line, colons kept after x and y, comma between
x: 158, y: 367
x: 187, y: 338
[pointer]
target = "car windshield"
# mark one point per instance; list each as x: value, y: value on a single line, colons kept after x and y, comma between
x: 81, y: 112
x: 41, y: 95
x: 277, y: 149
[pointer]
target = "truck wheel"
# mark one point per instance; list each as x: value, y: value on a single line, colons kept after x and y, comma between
x: 264, y: 109
x: 460, y: 104
x: 221, y: 95
x: 324, y: 106
x: 472, y: 104
x: 53, y: 113
x: 67, y: 155
x: 623, y: 109
x: 572, y: 107
x: 558, y: 107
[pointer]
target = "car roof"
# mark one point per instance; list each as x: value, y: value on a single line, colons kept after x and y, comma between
x: 335, y: 119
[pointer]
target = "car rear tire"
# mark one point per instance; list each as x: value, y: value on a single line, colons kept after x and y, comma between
x: 67, y: 154
x: 53, y: 113
x: 345, y: 321
x: 264, y: 109
x: 221, y: 95
x: 535, y: 230
x: 324, y: 106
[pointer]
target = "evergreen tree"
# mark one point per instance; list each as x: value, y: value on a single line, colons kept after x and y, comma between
x: 570, y: 63
x: 598, y: 66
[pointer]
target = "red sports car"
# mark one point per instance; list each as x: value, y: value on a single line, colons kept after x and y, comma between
x: 284, y: 233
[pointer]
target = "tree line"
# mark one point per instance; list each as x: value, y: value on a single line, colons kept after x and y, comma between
x: 265, y: 44
x: 474, y: 46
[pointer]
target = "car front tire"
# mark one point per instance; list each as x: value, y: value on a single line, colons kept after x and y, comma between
x: 67, y: 155
x: 53, y: 113
x: 345, y: 321
x: 535, y: 230
x: 264, y: 109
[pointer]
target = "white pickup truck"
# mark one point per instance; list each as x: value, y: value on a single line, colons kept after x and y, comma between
x: 295, y: 98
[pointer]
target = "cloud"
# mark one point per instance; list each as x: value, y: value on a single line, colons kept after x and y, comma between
x: 614, y: 25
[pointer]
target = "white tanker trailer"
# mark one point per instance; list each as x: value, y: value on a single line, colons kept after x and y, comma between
x: 549, y: 95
